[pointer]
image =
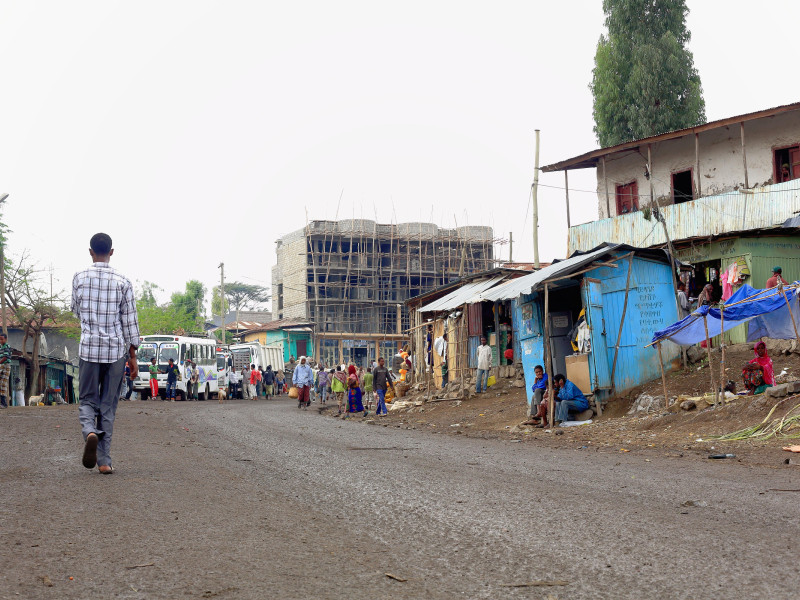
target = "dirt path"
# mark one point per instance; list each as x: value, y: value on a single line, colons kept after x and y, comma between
x: 260, y: 500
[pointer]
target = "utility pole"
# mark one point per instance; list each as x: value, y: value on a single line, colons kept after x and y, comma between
x: 3, y: 198
x: 510, y: 246
x: 222, y: 298
x: 51, y: 282
x: 534, y: 190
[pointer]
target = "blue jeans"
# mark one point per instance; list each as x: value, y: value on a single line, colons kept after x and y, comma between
x: 565, y: 407
x: 171, y: 390
x: 99, y: 388
x: 481, y: 379
x: 381, y: 403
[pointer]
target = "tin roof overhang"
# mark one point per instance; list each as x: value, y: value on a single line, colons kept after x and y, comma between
x: 590, y: 159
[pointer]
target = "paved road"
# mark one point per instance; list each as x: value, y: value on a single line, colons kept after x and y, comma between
x: 260, y: 500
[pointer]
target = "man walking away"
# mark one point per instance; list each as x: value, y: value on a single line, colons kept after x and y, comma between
x: 484, y: 354
x: 172, y: 380
x: 5, y: 371
x: 103, y: 301
x: 269, y: 381
x: 153, y: 368
x: 382, y: 378
x: 302, y: 378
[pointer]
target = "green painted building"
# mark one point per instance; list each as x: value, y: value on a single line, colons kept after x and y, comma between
x: 294, y: 336
x: 759, y: 251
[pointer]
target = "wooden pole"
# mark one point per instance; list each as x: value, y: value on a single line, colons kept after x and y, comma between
x: 511, y: 246
x: 697, y: 163
x: 663, y: 377
x: 534, y: 191
x: 566, y: 190
x: 622, y: 319
x: 710, y: 362
x: 650, y: 178
x: 744, y: 156
x: 605, y: 183
x: 548, y: 358
x: 722, y: 351
x: 791, y: 314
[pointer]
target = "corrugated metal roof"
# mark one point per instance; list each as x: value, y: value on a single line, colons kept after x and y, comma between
x: 589, y: 159
x: 758, y: 208
x: 526, y: 285
x: 466, y: 294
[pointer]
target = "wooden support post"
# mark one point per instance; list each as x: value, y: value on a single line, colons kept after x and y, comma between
x: 548, y: 357
x: 341, y: 351
x: 697, y: 163
x: 663, y: 377
x: 497, y: 335
x: 744, y: 156
x: 566, y: 191
x: 789, y: 306
x: 622, y: 320
x: 710, y: 362
x: 605, y: 183
x: 650, y: 178
x: 722, y: 351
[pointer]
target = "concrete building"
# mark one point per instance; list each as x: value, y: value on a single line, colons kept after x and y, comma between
x: 351, y: 278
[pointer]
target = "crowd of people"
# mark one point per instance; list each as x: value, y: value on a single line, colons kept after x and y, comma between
x: 355, y: 390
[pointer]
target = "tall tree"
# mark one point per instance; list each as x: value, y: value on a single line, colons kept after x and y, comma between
x: 35, y: 309
x: 245, y: 295
x: 191, y: 301
x: 169, y: 319
x: 644, y: 81
x: 216, y: 302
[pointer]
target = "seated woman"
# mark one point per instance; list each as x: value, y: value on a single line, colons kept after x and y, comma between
x: 758, y: 374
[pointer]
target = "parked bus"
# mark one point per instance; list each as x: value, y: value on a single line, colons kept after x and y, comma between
x: 202, y: 351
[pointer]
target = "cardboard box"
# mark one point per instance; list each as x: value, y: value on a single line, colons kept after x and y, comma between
x: 578, y: 372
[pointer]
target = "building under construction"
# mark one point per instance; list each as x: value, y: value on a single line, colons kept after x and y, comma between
x: 351, y: 278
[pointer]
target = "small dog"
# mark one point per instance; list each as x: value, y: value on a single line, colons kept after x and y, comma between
x: 221, y: 395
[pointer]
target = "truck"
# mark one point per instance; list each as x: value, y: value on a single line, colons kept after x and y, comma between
x: 255, y: 353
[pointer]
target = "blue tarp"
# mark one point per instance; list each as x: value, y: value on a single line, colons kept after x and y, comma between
x: 765, y: 309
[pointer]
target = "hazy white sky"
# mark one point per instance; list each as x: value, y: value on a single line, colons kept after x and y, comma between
x: 197, y: 132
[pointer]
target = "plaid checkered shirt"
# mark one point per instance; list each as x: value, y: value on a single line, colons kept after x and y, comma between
x: 103, y: 300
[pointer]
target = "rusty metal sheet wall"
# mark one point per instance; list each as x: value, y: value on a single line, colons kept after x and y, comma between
x: 712, y: 215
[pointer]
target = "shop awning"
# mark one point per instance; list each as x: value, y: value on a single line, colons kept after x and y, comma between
x: 466, y: 294
x: 528, y: 284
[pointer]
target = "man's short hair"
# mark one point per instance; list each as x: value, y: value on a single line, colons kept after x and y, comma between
x: 538, y: 367
x: 100, y: 244
x: 559, y: 377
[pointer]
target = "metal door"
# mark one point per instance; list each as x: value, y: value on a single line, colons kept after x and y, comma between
x: 560, y: 347
x: 599, y: 367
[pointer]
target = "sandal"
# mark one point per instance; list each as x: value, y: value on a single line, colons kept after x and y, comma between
x: 108, y: 472
x: 90, y: 451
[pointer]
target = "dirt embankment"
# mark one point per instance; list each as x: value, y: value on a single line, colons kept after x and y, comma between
x: 499, y: 412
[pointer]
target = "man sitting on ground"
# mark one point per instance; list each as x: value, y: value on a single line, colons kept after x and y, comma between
x: 569, y: 398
